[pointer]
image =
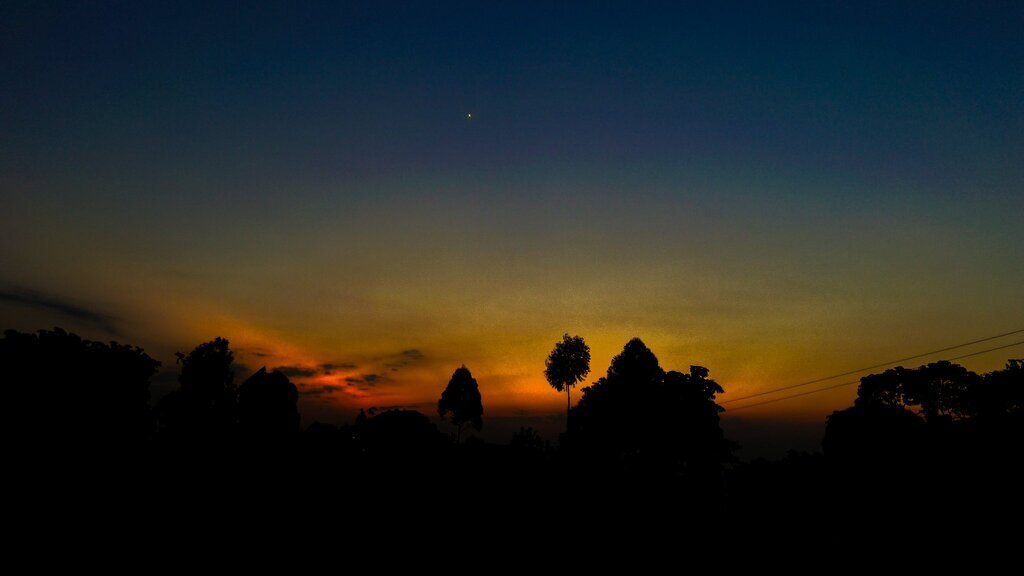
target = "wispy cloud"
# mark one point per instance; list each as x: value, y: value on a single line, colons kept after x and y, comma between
x: 324, y: 379
x: 66, y: 308
x: 298, y: 371
x: 310, y: 371
x: 422, y: 406
x: 365, y: 381
x: 404, y: 358
x: 329, y: 368
x: 321, y: 390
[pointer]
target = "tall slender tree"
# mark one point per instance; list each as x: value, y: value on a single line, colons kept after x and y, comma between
x: 568, y: 364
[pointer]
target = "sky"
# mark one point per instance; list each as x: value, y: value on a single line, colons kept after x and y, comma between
x: 370, y: 195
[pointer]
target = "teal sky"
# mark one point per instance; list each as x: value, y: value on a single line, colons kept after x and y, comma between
x: 776, y: 193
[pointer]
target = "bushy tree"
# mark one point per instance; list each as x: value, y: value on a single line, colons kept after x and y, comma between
x: 205, y: 403
x: 938, y: 411
x: 461, y: 403
x: 267, y: 406
x: 63, y: 390
x: 639, y: 417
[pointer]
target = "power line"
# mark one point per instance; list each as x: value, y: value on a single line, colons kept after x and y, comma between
x: 989, y: 350
x: 881, y: 365
x: 807, y: 393
x: 852, y: 382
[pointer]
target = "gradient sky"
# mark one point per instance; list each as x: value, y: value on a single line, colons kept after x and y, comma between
x: 777, y: 192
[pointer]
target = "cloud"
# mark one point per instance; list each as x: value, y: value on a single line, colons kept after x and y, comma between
x: 403, y: 359
x: 67, y: 309
x: 422, y: 406
x: 412, y: 354
x: 319, y: 370
x: 365, y: 381
x: 390, y: 363
x: 298, y: 371
x: 321, y: 390
x: 330, y: 367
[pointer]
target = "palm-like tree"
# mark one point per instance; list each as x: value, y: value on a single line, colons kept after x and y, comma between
x: 567, y: 364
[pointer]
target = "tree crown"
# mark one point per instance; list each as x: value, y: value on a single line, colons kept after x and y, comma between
x: 461, y: 400
x: 568, y: 363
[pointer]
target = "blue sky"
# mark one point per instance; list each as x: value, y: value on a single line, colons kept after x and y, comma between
x: 775, y: 191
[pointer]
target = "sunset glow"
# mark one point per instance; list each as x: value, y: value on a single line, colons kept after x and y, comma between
x: 773, y: 203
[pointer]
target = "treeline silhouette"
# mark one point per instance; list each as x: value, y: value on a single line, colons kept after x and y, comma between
x: 929, y: 455
x: 937, y: 442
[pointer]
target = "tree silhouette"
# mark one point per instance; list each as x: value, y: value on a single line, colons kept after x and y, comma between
x: 938, y: 412
x: 527, y: 439
x: 1000, y: 394
x: 267, y: 406
x: 883, y: 389
x: 461, y: 401
x: 873, y: 432
x: 74, y: 393
x: 940, y: 390
x: 206, y: 400
x: 568, y: 364
x: 395, y: 431
x: 637, y: 417
x: 691, y: 421
x: 612, y: 420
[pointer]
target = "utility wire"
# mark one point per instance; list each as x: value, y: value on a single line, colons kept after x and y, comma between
x: 852, y: 382
x: 989, y: 350
x: 807, y: 393
x: 881, y: 365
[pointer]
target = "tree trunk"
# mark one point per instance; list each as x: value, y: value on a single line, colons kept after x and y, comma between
x: 568, y: 405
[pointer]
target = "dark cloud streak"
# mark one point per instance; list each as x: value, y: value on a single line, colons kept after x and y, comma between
x: 365, y: 381
x: 33, y: 299
x: 310, y: 371
x: 298, y: 371
x: 329, y: 367
x: 404, y: 358
x: 321, y: 390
